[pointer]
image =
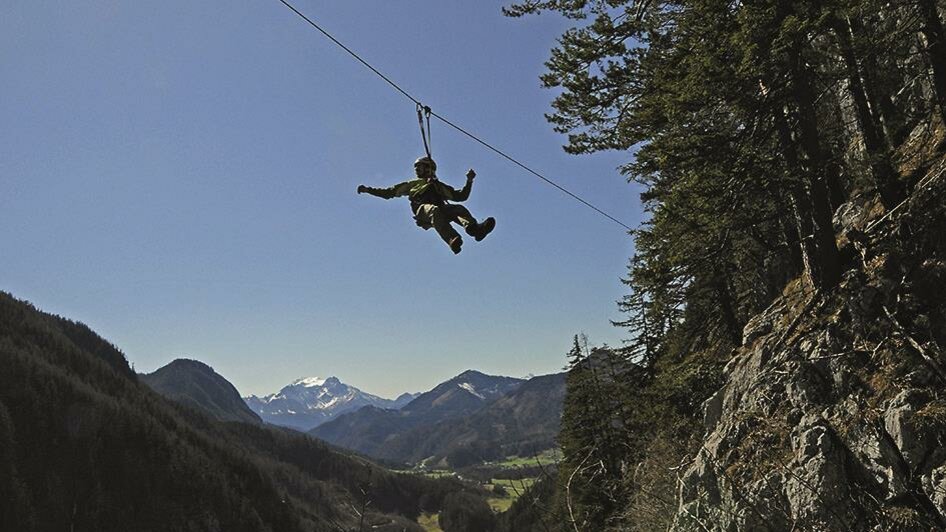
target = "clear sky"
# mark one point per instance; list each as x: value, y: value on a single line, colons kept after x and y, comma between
x: 181, y: 177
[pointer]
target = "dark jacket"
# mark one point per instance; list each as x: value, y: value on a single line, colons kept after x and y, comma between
x: 424, y: 192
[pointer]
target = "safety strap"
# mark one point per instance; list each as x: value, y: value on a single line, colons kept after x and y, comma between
x: 423, y: 112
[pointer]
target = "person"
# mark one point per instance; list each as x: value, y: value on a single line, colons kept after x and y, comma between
x: 430, y: 199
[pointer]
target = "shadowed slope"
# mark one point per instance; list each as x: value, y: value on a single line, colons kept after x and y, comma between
x: 196, y: 384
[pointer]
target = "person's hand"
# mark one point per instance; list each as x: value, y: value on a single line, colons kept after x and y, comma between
x: 362, y: 188
x: 471, y: 174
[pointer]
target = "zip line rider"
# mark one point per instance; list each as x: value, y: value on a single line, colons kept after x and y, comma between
x: 429, y: 202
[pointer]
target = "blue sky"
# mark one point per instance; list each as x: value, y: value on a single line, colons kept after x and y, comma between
x: 181, y: 177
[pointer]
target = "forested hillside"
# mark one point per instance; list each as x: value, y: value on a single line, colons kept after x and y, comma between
x: 85, y: 446
x: 781, y: 271
x: 196, y: 384
x: 523, y: 422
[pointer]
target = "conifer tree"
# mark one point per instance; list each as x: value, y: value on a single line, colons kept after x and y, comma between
x: 587, y: 441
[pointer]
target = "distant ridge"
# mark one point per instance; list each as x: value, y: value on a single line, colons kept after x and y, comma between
x: 521, y: 422
x: 196, y: 384
x: 393, y: 435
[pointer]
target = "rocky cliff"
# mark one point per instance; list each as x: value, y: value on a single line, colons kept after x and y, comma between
x: 833, y: 411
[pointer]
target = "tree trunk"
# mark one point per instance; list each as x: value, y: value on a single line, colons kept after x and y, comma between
x: 788, y: 226
x: 889, y: 118
x: 932, y: 31
x: 801, y: 206
x: 837, y: 194
x: 818, y: 172
x: 730, y: 323
x: 876, y: 146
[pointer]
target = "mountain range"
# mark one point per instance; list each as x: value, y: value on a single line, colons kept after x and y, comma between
x: 470, y: 418
x: 85, y: 445
x: 311, y: 401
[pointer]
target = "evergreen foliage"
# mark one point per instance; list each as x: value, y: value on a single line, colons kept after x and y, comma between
x: 464, y: 512
x: 536, y: 510
x: 592, y: 429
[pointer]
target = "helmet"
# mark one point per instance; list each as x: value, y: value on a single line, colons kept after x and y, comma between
x: 426, y: 160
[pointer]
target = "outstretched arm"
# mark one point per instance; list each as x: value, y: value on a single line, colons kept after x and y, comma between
x: 385, y: 193
x: 464, y: 193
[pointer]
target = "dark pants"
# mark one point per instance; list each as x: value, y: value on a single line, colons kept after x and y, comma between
x: 440, y: 217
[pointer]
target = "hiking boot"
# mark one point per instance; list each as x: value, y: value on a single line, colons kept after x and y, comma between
x: 479, y: 231
x: 455, y: 244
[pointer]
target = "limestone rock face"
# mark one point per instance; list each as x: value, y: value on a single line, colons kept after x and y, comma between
x: 898, y: 422
x: 818, y: 462
x: 833, y: 412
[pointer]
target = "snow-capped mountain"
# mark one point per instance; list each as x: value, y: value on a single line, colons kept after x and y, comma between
x: 393, y: 435
x: 309, y: 402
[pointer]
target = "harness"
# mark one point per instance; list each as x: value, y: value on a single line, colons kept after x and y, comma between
x: 431, y: 195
